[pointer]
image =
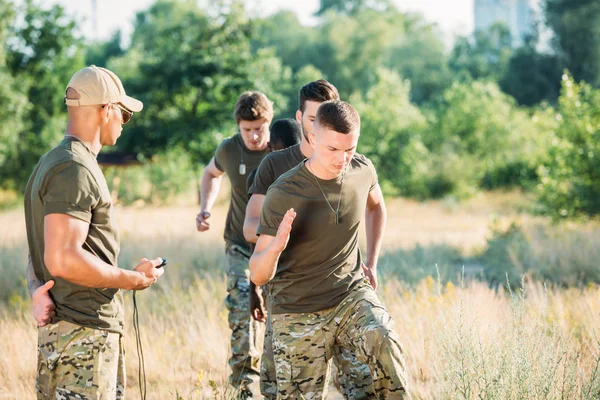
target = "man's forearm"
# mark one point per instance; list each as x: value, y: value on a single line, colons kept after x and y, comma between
x: 33, y: 283
x: 209, y: 189
x: 263, y: 266
x: 250, y: 226
x: 85, y: 269
x: 375, y: 220
x: 252, y: 218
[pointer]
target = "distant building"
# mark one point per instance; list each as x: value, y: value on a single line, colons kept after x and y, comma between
x: 517, y: 15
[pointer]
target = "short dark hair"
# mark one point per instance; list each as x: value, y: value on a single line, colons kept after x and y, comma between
x: 252, y: 106
x: 318, y: 91
x: 286, y: 131
x: 338, y: 116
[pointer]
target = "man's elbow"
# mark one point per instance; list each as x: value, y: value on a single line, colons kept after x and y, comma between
x: 55, y: 263
x: 249, y: 232
x: 377, y: 210
x: 258, y: 281
x: 256, y: 278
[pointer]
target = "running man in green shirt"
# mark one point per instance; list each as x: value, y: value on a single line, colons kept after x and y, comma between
x: 238, y: 156
x: 320, y: 296
x: 354, y: 378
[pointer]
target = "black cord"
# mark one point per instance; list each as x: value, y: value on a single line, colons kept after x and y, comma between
x: 140, y: 351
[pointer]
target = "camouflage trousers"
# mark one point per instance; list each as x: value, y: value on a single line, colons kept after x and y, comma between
x: 247, y: 335
x: 304, y: 343
x: 75, y: 362
x: 352, y: 378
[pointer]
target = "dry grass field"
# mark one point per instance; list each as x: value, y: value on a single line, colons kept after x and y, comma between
x: 463, y: 338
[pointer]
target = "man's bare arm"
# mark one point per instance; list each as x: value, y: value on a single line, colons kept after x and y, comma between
x: 252, y: 217
x: 65, y: 258
x: 209, y: 190
x: 375, y: 221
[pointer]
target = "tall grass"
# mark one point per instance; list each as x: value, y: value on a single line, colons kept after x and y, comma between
x: 463, y: 338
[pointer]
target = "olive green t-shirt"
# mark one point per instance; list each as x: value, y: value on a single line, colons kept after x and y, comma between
x: 322, y: 261
x: 230, y: 154
x: 273, y: 166
x: 67, y: 180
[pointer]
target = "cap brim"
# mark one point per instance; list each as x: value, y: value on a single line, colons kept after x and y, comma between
x: 132, y: 104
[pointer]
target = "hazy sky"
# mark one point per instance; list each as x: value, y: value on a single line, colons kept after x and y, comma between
x: 453, y: 16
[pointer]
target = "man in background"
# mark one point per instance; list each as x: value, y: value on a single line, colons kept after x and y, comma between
x: 238, y: 156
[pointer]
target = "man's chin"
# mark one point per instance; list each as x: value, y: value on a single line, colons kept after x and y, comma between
x: 111, y: 142
x: 257, y: 147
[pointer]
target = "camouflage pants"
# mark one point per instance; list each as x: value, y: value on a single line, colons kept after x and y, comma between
x: 353, y: 378
x: 246, y: 334
x: 75, y: 362
x: 304, y: 343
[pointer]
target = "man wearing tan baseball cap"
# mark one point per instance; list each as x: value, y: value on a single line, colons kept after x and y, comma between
x: 73, y: 240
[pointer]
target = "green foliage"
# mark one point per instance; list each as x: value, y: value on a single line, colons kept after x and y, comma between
x: 576, y: 28
x: 351, y: 6
x: 99, y: 53
x: 189, y: 94
x: 349, y: 47
x: 156, y: 181
x: 532, y: 76
x: 41, y: 55
x: 570, y: 179
x: 486, y: 55
x: 484, y: 139
x: 420, y: 57
x: 434, y: 124
x: 14, y: 107
x: 390, y: 129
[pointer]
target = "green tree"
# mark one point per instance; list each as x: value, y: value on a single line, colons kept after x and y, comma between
x: 99, y: 53
x: 189, y: 67
x: 42, y: 54
x: 390, y: 135
x: 576, y: 27
x: 570, y: 180
x: 351, y: 6
x: 483, y: 139
x: 532, y: 76
x: 348, y: 48
x: 419, y: 56
x: 485, y: 55
x: 293, y: 43
x: 14, y: 103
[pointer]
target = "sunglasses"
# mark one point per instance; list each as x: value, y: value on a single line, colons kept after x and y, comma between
x: 125, y: 113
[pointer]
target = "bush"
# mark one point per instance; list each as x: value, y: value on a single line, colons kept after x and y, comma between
x: 570, y: 180
x: 157, y: 181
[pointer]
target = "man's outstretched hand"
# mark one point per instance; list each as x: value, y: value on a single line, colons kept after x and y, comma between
x: 283, y: 233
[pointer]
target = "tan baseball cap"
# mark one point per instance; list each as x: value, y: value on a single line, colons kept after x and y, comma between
x: 95, y: 85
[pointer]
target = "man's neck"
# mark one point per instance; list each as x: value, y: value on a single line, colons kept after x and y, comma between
x: 305, y: 148
x: 92, y: 142
x: 317, y: 170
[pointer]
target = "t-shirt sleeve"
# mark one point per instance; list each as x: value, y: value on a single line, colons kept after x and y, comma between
x: 71, y: 190
x: 374, y: 179
x: 273, y: 210
x: 264, y: 177
x: 220, y: 155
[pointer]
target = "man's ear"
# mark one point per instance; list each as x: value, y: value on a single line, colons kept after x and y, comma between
x: 299, y: 116
x: 105, y: 113
x: 312, y: 139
